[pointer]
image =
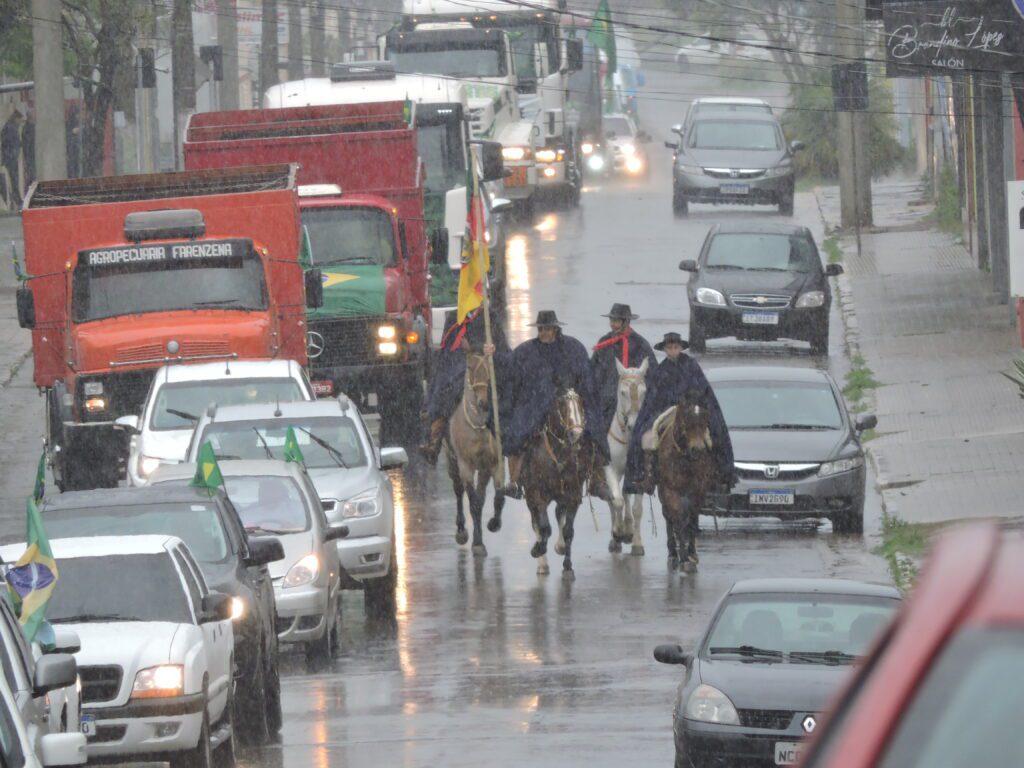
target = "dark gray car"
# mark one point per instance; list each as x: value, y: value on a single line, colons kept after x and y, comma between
x: 797, y: 451
x: 735, y: 159
x: 774, y: 654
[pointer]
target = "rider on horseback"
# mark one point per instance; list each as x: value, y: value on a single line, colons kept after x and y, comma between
x: 623, y: 344
x: 541, y: 369
x: 677, y: 375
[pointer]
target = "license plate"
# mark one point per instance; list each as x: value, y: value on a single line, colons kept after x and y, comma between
x: 323, y: 388
x: 761, y: 318
x: 518, y: 177
x: 788, y: 752
x: 779, y: 498
x: 734, y: 189
x: 89, y: 725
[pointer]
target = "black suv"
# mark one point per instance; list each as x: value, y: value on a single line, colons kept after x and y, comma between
x: 759, y: 281
x: 231, y: 563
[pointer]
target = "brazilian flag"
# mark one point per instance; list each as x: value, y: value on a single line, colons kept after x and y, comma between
x: 207, y: 470
x: 292, y: 451
x: 602, y: 35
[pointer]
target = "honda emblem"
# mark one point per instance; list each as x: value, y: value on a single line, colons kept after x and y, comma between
x: 771, y: 471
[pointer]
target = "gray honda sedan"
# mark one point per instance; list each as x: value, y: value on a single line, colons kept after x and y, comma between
x: 797, y: 450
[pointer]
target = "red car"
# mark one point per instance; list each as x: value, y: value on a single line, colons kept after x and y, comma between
x: 944, y: 685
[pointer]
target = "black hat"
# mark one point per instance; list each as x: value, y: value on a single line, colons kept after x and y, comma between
x: 621, y: 312
x: 547, y: 317
x: 672, y: 338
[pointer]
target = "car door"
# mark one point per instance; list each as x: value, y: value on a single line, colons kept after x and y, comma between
x: 34, y: 709
x: 328, y: 552
x: 256, y: 577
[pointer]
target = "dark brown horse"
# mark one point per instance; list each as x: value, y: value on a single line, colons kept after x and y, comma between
x: 685, y: 474
x: 554, y: 468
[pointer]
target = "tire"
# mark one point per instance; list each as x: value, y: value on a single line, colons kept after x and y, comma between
x: 200, y: 756
x: 680, y: 206
x: 274, y: 714
x: 251, y: 708
x: 323, y: 650
x: 224, y: 757
x: 851, y: 522
x: 698, y: 336
x: 819, y: 340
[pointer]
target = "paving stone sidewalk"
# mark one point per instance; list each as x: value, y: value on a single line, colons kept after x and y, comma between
x: 950, y: 439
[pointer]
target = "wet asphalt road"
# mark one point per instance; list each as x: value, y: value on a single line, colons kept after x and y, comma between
x: 484, y: 662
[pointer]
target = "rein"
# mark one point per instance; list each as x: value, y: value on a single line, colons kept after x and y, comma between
x: 470, y: 389
x: 621, y: 419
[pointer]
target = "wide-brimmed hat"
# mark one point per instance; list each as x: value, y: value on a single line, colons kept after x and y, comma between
x: 672, y: 338
x: 547, y: 317
x: 621, y: 312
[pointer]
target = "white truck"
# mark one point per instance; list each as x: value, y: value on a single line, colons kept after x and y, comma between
x: 538, y: 80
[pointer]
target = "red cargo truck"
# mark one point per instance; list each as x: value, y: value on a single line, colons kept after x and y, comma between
x: 129, y: 273
x: 361, y: 197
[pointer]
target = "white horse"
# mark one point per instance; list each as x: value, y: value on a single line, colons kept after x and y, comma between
x: 631, y: 392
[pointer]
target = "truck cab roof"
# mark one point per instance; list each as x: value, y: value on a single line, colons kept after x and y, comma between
x: 318, y: 91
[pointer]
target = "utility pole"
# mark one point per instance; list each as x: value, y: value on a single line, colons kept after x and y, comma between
x: 296, y: 70
x: 227, y: 39
x: 317, y: 37
x: 853, y: 128
x: 345, y: 33
x: 48, y: 75
x: 183, y: 72
x: 995, y: 183
x: 268, y: 47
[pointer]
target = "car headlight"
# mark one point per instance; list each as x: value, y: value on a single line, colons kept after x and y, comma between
x: 634, y: 164
x: 839, y: 466
x: 596, y: 162
x: 361, y: 506
x: 707, y: 704
x: 711, y: 297
x: 146, y: 466
x: 303, y: 572
x: 156, y: 682
x: 237, y: 608
x: 515, y: 153
x: 586, y: 147
x: 779, y: 170
x: 546, y: 155
x: 694, y: 169
x: 810, y: 300
x: 627, y: 149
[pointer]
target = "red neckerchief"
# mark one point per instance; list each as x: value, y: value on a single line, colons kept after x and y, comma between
x: 624, y: 338
x: 459, y: 331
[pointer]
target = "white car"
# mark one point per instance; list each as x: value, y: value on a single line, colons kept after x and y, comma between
x: 22, y: 744
x: 156, y: 656
x: 625, y: 142
x: 181, y: 393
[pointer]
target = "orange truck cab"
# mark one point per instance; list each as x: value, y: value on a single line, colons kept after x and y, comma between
x: 361, y: 195
x: 129, y: 273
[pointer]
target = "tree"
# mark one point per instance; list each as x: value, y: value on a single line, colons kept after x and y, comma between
x: 15, y: 39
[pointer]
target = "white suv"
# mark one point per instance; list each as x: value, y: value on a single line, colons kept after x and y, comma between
x: 181, y: 393
x: 156, y: 656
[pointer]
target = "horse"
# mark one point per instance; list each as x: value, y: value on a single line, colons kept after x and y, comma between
x: 472, y: 452
x: 685, y: 474
x: 630, y: 397
x: 555, y: 464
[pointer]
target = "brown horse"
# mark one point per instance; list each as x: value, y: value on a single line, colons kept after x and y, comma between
x: 685, y: 475
x: 472, y: 452
x: 554, y: 467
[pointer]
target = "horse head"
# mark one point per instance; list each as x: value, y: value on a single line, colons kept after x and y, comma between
x: 477, y: 389
x: 567, y: 420
x: 631, y: 392
x: 693, y: 419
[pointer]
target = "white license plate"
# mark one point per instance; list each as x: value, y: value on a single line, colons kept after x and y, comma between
x: 89, y: 725
x: 734, y: 189
x: 788, y: 752
x: 778, y: 498
x: 761, y: 318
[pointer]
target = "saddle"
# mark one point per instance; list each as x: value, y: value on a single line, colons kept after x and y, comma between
x: 652, y: 438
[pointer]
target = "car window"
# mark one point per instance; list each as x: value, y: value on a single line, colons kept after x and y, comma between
x: 197, y: 572
x: 181, y: 404
x: 327, y: 442
x: 967, y: 712
x: 269, y: 503
x: 6, y: 655
x: 727, y: 134
x: 829, y: 628
x: 10, y: 743
x: 778, y: 405
x: 745, y: 109
x: 762, y: 251
x: 17, y: 639
x: 194, y: 593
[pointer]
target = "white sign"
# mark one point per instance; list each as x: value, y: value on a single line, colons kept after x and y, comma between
x: 1015, y: 224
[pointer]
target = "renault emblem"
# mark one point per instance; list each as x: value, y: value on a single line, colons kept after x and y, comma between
x: 315, y: 345
x: 771, y: 471
x: 809, y: 724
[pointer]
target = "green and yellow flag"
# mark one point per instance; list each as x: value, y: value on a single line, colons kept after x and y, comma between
x: 292, y: 451
x: 602, y: 35
x: 476, y: 261
x: 207, y: 470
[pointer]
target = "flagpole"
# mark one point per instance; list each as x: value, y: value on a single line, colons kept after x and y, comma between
x: 499, y: 480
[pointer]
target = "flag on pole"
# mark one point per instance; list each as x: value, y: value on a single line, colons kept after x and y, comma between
x: 292, y: 451
x: 602, y: 35
x: 207, y: 470
x: 476, y: 261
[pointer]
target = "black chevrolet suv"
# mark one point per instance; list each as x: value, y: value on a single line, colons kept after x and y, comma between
x: 209, y: 524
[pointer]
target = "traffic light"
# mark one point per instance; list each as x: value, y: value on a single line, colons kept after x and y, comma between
x: 147, y: 68
x: 213, y: 56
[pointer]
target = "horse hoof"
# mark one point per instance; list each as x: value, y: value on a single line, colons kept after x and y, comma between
x: 614, y: 546
x: 479, y: 550
x: 494, y: 525
x: 673, y: 562
x: 543, y: 570
x: 559, y: 549
x: 538, y: 550
x: 637, y: 550
x: 689, y: 567
x: 624, y: 538
x: 461, y: 537
x: 568, y: 574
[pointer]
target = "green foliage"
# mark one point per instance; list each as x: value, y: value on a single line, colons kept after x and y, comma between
x: 1017, y: 374
x: 947, y: 215
x: 832, y: 250
x: 15, y: 40
x: 859, y: 380
x: 903, y: 544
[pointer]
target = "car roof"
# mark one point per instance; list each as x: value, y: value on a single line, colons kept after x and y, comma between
x: 752, y: 227
x: 232, y: 468
x: 815, y: 586
x: 738, y: 100
x: 768, y: 373
x: 122, y: 497
x: 222, y: 369
x: 288, y: 410
x: 101, y: 546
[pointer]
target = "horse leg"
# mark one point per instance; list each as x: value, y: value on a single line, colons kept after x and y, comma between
x: 477, y: 497
x: 688, y: 545
x: 670, y: 530
x: 541, y: 527
x: 567, y: 519
x: 461, y: 536
x: 636, y: 503
x: 494, y: 524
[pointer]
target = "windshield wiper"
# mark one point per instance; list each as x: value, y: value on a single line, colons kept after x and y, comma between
x: 725, y: 266
x: 182, y: 414
x: 334, y: 453
x: 348, y: 260
x: 215, y: 302
x: 798, y: 426
x: 748, y: 650
x: 263, y: 441
x: 85, y: 617
x: 271, y: 531
x: 826, y: 657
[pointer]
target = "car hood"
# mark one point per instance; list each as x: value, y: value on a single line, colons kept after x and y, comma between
x: 754, y: 685
x: 770, y: 445
x: 296, y: 546
x: 735, y: 158
x: 732, y: 281
x: 131, y: 644
x: 342, y: 484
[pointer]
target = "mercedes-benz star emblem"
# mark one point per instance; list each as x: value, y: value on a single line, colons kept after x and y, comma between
x: 771, y: 471
x: 315, y: 344
x: 809, y: 724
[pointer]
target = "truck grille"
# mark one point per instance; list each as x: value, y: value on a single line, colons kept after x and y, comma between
x: 159, y: 351
x: 125, y: 392
x: 348, y: 341
x: 100, y: 684
x: 756, y: 471
x: 760, y: 300
x: 773, y: 719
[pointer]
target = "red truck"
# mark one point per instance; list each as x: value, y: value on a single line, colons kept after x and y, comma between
x: 361, y: 198
x: 129, y: 273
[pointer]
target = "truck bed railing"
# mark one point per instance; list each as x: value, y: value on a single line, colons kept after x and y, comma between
x: 299, y: 121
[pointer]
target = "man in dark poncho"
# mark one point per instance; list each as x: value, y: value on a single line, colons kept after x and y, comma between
x: 540, y: 369
x: 448, y: 380
x: 677, y: 375
x: 627, y: 346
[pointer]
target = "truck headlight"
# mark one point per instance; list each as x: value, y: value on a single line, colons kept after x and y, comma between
x: 95, y: 404
x: 810, y: 300
x: 387, y: 348
x: 586, y: 147
x: 303, y: 572
x: 514, y: 153
x: 710, y: 297
x: 596, y: 163
x: 156, y: 682
x: 361, y: 506
x: 546, y: 155
x: 146, y: 466
x: 387, y: 332
x: 628, y: 149
x: 707, y: 704
x: 634, y: 164
x: 839, y: 466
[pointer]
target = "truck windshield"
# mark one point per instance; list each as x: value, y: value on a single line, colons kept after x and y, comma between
x: 441, y: 148
x: 164, y: 277
x: 350, y: 236
x: 452, y: 59
x: 524, y: 40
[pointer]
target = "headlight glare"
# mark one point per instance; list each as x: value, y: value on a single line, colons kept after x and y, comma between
x: 710, y: 297
x: 237, y: 608
x: 513, y: 153
x: 810, y: 300
x: 546, y: 155
x: 303, y: 572
x: 587, y: 147
x: 147, y: 465
x: 387, y: 332
x: 627, y: 149
x: 387, y: 348
x: 155, y: 682
x: 707, y: 704
x: 839, y: 466
x: 596, y: 163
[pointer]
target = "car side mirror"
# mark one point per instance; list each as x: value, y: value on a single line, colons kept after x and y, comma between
x: 336, y: 532
x: 53, y: 671
x: 688, y: 265
x: 574, y: 55
x: 672, y: 654
x: 128, y: 423
x: 393, y: 458
x: 439, y: 245
x: 216, y: 607
x: 263, y: 551
x: 678, y: 128
x: 673, y: 145
x: 865, y: 422
x: 62, y: 749
x: 492, y: 162
x: 797, y: 146
x: 65, y: 641
x: 26, y: 307
x: 314, y: 288
x: 834, y: 270
x: 500, y: 205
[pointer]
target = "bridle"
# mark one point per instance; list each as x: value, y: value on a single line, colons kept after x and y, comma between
x: 679, y: 421
x: 567, y: 415
x: 474, y: 384
x: 621, y: 419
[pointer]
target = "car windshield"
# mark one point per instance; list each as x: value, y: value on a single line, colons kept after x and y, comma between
x: 968, y: 710
x: 118, y: 588
x: 727, y: 134
x: 451, y: 59
x: 778, y: 405
x: 268, y: 504
x: 618, y: 125
x: 196, y: 523
x: 762, y: 251
x: 798, y: 628
x: 349, y: 236
x: 179, y: 405
x: 324, y: 442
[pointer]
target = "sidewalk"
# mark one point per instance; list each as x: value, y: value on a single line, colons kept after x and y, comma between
x: 950, y: 437
x: 15, y: 343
